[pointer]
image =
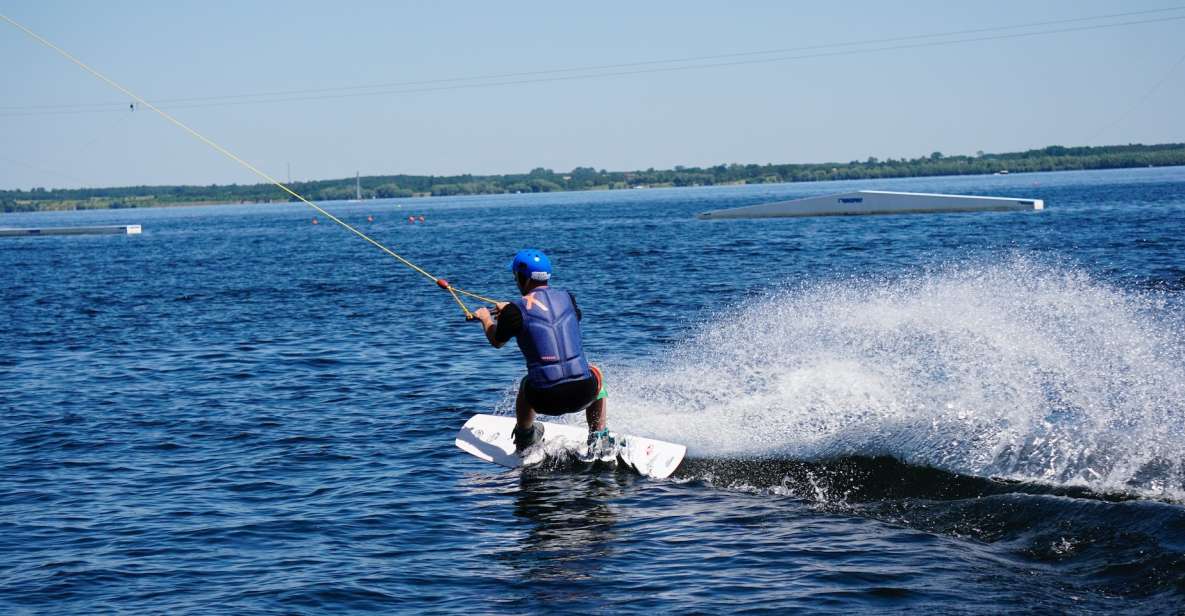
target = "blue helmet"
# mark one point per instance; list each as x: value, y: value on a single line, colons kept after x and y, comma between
x: 532, y: 264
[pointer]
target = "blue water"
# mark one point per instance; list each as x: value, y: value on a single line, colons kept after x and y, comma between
x: 241, y: 412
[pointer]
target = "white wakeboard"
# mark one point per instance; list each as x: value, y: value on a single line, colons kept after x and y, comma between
x: 489, y: 437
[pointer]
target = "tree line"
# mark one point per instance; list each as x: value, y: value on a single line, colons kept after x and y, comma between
x: 1052, y: 158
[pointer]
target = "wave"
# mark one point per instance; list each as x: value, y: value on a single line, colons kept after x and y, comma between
x: 1021, y: 369
x: 1116, y: 544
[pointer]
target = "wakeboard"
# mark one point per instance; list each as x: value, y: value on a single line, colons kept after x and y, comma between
x: 489, y: 437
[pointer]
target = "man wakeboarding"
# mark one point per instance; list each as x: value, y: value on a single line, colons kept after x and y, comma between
x: 546, y: 324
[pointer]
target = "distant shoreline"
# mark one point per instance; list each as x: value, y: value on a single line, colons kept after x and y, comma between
x: 1052, y: 158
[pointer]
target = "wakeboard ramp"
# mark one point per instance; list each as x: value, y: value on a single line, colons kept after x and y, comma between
x: 489, y: 437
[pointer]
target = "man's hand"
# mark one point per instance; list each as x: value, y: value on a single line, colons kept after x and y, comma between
x: 487, y: 323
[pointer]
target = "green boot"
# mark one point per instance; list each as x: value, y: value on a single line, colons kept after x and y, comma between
x: 600, y: 447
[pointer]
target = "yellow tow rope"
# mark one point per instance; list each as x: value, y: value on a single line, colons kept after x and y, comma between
x: 440, y: 282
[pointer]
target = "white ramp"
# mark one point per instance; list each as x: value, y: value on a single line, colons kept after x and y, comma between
x: 876, y: 202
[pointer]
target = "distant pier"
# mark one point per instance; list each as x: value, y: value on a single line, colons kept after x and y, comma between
x: 99, y: 230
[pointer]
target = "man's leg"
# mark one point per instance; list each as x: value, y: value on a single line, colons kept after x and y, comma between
x: 601, y: 446
x: 595, y: 415
x: 523, y: 413
x: 526, y: 431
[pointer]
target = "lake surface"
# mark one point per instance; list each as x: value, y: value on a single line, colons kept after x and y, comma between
x: 242, y: 412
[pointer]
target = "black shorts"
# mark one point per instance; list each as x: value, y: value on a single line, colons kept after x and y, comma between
x: 570, y: 397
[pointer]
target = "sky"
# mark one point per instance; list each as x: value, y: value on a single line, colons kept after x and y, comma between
x: 441, y: 88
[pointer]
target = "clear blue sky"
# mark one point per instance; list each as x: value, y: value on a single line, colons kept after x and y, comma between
x: 1087, y: 87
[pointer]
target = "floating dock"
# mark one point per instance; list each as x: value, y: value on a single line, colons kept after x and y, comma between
x: 876, y: 202
x: 104, y: 230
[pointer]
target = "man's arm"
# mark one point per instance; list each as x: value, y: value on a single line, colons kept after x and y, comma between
x: 489, y: 325
x: 498, y: 333
x: 572, y: 296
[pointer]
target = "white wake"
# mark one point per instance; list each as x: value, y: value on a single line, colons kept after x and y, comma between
x: 1022, y: 369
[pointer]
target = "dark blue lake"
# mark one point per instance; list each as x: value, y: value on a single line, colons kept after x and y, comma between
x: 241, y: 412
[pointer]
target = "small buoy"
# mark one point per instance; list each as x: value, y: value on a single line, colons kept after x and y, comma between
x: 370, y: 219
x: 421, y: 218
x: 411, y: 219
x: 315, y: 220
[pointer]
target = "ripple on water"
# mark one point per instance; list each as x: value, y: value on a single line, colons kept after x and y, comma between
x: 263, y: 421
